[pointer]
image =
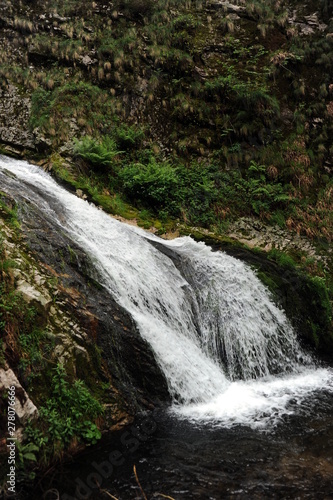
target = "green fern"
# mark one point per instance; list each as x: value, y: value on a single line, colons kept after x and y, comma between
x: 97, y: 153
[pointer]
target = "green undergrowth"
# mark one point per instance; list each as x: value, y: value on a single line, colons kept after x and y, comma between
x: 182, y: 110
x: 8, y: 211
x: 204, y: 195
x: 70, y: 410
x: 67, y: 419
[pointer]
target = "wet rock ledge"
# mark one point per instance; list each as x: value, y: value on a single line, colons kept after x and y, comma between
x: 90, y: 334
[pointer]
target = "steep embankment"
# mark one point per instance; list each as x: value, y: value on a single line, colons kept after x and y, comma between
x: 59, y: 326
x: 205, y: 110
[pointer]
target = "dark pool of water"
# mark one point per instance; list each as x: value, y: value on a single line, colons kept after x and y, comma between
x: 184, y: 461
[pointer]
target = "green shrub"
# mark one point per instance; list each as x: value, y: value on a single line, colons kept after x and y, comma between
x: 40, y: 108
x: 262, y: 196
x: 278, y: 218
x: 153, y: 185
x: 70, y: 411
x: 99, y: 154
x: 128, y: 137
x: 197, y: 193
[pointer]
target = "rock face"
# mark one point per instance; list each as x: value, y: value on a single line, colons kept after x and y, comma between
x: 255, y: 233
x: 82, y: 313
x: 24, y: 408
x: 41, y: 301
x: 129, y: 358
x: 14, y: 117
x: 15, y: 131
x: 307, y: 25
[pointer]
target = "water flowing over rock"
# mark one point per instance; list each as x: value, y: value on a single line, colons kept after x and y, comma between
x: 53, y: 276
x: 210, y: 322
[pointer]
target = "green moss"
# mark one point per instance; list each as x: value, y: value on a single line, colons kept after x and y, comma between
x: 268, y: 281
x: 305, y: 298
x: 284, y: 259
x: 8, y: 211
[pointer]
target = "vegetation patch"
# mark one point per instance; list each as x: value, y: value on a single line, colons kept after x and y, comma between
x: 69, y: 414
x: 189, y: 89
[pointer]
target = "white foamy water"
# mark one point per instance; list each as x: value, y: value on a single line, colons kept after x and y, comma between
x: 215, y: 332
x: 262, y: 403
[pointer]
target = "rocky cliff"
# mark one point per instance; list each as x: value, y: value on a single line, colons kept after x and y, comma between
x: 53, y: 313
x: 209, y: 85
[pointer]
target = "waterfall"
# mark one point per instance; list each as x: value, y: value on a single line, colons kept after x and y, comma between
x: 226, y: 350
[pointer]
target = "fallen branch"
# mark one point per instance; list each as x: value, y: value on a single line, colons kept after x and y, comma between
x: 137, y: 480
x: 108, y: 494
x: 164, y: 496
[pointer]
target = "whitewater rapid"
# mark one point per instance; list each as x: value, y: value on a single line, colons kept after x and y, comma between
x: 229, y: 354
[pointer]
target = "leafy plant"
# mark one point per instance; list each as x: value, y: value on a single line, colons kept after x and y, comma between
x: 153, y: 184
x: 128, y: 137
x: 33, y: 344
x: 9, y: 213
x: 97, y: 153
x: 261, y: 194
x: 198, y: 192
x: 26, y: 452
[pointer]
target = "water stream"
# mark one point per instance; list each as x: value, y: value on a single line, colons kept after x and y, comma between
x: 229, y: 354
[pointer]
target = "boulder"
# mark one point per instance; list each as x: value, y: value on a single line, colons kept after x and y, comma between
x: 24, y: 408
x: 41, y: 301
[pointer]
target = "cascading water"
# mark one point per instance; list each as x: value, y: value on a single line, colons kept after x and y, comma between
x: 237, y: 323
x: 215, y: 332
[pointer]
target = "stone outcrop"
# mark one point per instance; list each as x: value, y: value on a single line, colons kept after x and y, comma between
x: 24, y: 408
x: 255, y: 233
x: 15, y: 131
x: 307, y: 25
x: 14, y: 117
x: 228, y: 7
x: 82, y: 328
